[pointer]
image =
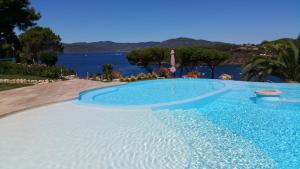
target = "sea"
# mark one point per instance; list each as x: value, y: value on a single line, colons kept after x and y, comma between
x: 91, y: 64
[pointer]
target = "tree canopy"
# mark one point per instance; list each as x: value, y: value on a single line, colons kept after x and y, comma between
x: 159, y: 55
x: 209, y: 57
x: 186, y: 57
x: 107, y: 71
x: 40, y: 45
x: 148, y: 56
x: 14, y: 14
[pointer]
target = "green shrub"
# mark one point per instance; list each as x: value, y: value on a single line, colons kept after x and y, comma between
x: 54, y: 72
x: 107, y: 71
x: 49, y: 58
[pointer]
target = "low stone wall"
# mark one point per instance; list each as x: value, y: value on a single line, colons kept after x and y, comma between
x: 26, y: 81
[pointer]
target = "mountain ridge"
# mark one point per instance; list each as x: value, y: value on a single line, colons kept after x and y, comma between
x: 107, y: 46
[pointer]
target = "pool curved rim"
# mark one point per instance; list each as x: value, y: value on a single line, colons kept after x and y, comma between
x: 227, y: 86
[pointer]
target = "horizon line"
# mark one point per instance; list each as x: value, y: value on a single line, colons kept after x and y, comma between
x: 159, y: 41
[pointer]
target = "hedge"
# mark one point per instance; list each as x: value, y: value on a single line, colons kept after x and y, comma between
x: 9, y: 68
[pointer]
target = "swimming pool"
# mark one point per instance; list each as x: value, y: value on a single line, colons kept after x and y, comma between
x: 153, y: 93
x: 179, y: 123
x: 272, y: 126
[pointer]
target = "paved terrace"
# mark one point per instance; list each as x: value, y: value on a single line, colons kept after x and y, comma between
x: 28, y: 97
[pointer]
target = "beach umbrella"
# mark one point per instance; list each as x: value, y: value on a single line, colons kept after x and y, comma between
x: 172, y: 62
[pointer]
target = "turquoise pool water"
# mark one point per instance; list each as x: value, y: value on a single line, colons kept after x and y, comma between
x: 222, y: 122
x: 153, y: 93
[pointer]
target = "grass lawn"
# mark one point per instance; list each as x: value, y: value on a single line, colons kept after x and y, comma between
x: 28, y: 77
x: 7, y: 86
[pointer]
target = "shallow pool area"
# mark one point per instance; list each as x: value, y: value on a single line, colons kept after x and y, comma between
x: 175, y: 123
x: 152, y: 93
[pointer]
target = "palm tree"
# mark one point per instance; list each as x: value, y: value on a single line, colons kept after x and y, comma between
x: 283, y: 61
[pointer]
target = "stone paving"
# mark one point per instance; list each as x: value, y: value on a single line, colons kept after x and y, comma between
x: 19, y: 99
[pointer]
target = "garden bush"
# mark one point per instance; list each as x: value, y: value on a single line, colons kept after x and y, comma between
x: 54, y: 72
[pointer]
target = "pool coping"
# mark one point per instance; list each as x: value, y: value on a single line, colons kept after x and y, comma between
x: 227, y: 86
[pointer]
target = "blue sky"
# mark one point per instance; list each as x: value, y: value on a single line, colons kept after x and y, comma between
x: 235, y: 21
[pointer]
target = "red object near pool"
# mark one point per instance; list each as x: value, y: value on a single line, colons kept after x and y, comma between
x: 268, y: 93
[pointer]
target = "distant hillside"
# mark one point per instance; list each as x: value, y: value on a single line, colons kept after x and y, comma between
x: 241, y: 53
x: 83, y: 47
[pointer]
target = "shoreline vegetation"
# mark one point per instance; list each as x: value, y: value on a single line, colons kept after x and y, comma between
x: 15, y: 75
x: 279, y: 58
x: 10, y: 70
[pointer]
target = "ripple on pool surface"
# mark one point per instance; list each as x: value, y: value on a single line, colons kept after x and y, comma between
x: 65, y: 136
x: 213, y: 146
x: 272, y: 126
